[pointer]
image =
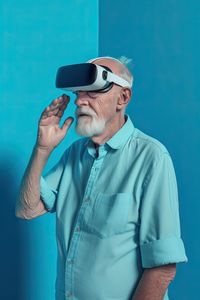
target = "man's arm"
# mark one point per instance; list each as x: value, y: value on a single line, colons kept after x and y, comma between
x: 29, y: 204
x: 154, y: 282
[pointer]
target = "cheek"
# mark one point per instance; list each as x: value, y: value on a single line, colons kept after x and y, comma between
x: 106, y: 107
x: 99, y: 107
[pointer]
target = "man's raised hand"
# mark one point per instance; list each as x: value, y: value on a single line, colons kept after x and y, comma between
x: 49, y: 132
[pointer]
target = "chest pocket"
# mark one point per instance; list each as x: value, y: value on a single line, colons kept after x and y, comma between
x: 109, y: 215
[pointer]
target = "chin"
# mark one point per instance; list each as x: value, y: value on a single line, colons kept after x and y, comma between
x: 89, y: 129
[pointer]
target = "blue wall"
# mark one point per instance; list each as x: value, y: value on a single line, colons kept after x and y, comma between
x: 38, y: 37
x: 162, y: 38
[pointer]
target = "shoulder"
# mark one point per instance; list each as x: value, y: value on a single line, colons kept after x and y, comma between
x: 148, y: 145
x: 148, y: 153
x: 154, y: 155
x: 79, y: 143
x: 76, y: 147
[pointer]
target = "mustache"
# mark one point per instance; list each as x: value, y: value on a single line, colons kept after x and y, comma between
x: 85, y: 111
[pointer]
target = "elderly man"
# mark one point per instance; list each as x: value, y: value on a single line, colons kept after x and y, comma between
x: 115, y: 196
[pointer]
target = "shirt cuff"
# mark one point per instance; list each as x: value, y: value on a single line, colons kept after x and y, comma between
x: 162, y: 252
x: 48, y: 195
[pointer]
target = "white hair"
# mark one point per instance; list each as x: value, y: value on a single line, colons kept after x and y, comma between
x: 125, y: 62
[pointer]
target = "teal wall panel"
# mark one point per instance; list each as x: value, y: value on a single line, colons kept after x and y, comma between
x: 38, y: 37
x: 162, y: 38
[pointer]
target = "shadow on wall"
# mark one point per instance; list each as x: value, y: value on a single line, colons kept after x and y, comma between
x: 13, y: 254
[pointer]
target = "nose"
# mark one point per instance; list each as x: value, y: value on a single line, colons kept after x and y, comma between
x: 82, y: 99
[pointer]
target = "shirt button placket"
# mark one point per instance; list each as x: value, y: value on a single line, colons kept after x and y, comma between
x: 68, y: 294
x: 77, y: 230
x: 70, y: 261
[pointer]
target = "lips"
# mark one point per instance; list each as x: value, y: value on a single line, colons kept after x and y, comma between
x: 83, y: 115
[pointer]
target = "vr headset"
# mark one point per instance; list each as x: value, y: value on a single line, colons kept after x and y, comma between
x: 87, y: 77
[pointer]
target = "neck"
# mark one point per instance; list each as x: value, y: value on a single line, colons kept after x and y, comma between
x: 111, y: 128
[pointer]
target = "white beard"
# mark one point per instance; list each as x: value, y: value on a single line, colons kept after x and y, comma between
x: 90, y: 126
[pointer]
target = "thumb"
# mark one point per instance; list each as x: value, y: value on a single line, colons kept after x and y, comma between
x: 67, y: 124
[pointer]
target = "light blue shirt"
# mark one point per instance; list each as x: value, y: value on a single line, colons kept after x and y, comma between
x: 116, y: 214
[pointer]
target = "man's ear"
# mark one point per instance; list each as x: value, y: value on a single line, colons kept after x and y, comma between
x: 124, y: 98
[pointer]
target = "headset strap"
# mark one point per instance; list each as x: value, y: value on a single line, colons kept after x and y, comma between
x: 111, y: 77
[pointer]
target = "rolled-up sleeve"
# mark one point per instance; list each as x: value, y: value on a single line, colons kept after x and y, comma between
x: 49, y: 184
x: 160, y: 233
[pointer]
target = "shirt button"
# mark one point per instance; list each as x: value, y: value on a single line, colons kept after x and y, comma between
x: 68, y: 294
x: 70, y: 261
x: 87, y: 199
x: 78, y: 228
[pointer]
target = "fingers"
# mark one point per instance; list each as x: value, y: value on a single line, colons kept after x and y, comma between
x: 59, y: 101
x: 56, y: 107
x: 67, y: 124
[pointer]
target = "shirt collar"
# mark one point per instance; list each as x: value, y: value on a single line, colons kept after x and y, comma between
x: 119, y: 139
